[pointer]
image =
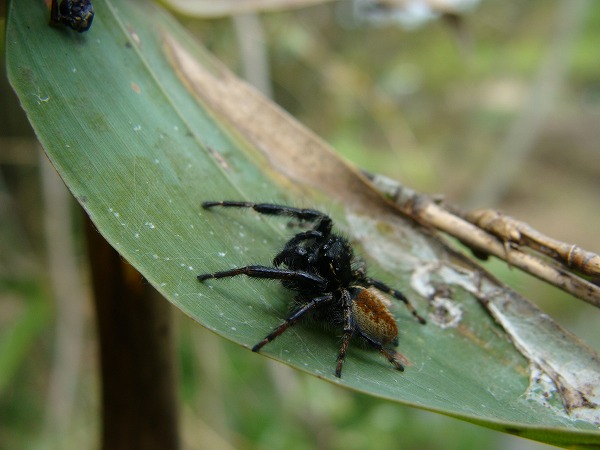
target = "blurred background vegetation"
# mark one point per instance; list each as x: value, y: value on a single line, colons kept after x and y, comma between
x: 499, y: 107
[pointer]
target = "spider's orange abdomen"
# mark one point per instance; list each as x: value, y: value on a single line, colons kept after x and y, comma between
x: 374, y: 318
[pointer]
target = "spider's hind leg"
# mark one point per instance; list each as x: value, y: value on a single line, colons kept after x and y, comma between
x: 380, y: 285
x: 384, y: 351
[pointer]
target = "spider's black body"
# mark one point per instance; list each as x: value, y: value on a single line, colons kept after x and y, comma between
x: 75, y: 14
x: 329, y: 281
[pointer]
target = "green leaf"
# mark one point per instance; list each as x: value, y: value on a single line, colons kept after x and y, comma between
x: 143, y: 125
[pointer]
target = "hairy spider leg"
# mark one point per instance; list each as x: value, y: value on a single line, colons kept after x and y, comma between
x: 380, y: 285
x: 323, y: 221
x: 291, y: 248
x: 384, y: 351
x: 272, y: 273
x: 349, y: 329
x: 54, y: 15
x: 291, y: 320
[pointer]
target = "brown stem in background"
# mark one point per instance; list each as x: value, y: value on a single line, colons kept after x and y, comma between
x: 70, y: 300
x: 139, y: 405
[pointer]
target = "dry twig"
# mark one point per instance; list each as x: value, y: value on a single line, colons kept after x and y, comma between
x: 488, y: 232
x: 516, y: 233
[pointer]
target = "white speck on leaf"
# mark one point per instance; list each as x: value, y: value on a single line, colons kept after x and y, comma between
x: 41, y: 98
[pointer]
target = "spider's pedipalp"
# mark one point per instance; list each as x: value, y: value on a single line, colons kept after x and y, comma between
x: 292, y: 249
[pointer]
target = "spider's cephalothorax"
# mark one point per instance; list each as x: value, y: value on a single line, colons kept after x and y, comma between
x: 330, y: 283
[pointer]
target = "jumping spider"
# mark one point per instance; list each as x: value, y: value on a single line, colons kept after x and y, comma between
x: 329, y: 282
x: 75, y: 14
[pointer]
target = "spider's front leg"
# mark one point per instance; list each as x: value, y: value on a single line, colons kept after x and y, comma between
x: 297, y: 277
x: 322, y: 221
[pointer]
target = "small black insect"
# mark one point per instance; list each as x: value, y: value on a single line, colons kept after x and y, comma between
x: 329, y: 281
x: 75, y: 14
